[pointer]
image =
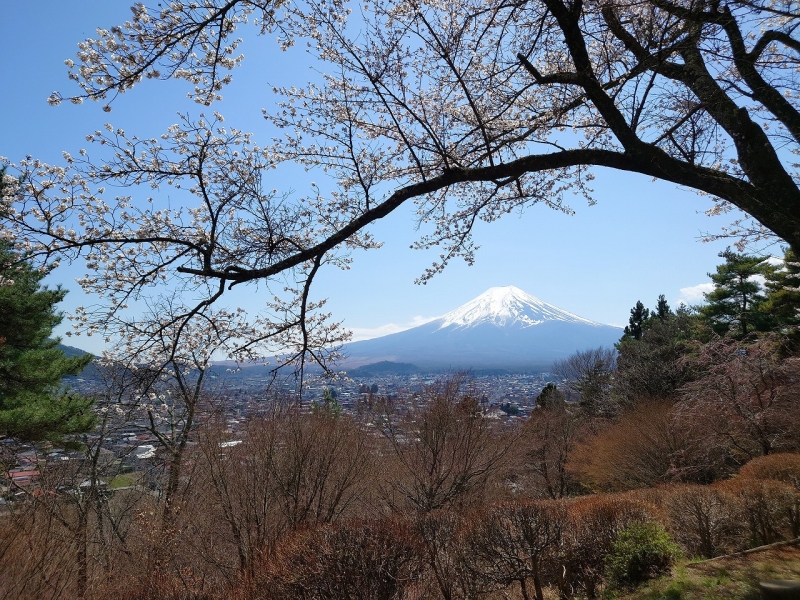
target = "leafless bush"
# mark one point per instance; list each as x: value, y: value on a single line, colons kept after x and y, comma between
x: 593, y: 524
x: 371, y: 560
x: 517, y: 543
x: 703, y: 519
x: 767, y: 509
x: 780, y: 467
x: 643, y: 447
x: 446, y: 552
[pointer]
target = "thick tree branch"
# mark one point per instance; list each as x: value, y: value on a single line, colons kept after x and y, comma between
x: 654, y: 163
x: 762, y: 92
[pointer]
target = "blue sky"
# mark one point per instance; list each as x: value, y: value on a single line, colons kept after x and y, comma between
x: 640, y: 240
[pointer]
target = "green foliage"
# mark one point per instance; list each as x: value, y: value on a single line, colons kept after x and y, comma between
x: 636, y: 323
x: 329, y: 405
x: 783, y: 292
x: 652, y: 367
x: 510, y: 409
x: 663, y: 310
x: 640, y: 551
x: 550, y: 398
x: 735, y: 305
x: 32, y: 404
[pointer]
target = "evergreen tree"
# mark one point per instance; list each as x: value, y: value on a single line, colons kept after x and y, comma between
x: 32, y: 403
x: 637, y: 320
x: 653, y: 367
x: 735, y: 304
x: 589, y: 374
x: 783, y: 292
x: 663, y: 310
x: 551, y: 398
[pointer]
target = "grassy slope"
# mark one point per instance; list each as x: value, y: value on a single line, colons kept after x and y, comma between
x: 722, y: 579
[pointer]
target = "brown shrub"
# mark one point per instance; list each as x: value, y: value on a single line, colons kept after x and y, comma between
x: 445, y: 549
x: 517, y: 542
x: 593, y: 524
x: 768, y: 510
x: 784, y: 468
x: 702, y: 519
x: 780, y: 467
x: 371, y: 560
x: 642, y: 448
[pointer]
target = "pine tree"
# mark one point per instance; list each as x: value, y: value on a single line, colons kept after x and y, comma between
x: 663, y: 310
x: 783, y: 292
x: 33, y: 404
x: 637, y: 320
x: 735, y: 304
x: 551, y: 398
x: 654, y: 366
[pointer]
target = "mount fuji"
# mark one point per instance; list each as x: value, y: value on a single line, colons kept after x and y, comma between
x: 502, y: 328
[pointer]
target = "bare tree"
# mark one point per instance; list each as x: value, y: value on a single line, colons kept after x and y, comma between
x: 284, y: 471
x: 446, y: 451
x: 321, y: 466
x: 546, y: 442
x: 588, y: 374
x: 745, y: 398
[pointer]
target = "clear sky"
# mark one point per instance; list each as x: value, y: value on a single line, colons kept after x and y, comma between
x: 641, y: 239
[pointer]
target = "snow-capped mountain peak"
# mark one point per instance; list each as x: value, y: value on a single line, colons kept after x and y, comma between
x: 502, y: 328
x: 504, y: 306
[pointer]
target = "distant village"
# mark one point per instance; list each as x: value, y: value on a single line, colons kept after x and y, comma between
x: 129, y: 448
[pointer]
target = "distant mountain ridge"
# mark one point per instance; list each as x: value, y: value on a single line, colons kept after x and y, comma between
x: 384, y: 367
x: 71, y: 351
x: 504, y: 327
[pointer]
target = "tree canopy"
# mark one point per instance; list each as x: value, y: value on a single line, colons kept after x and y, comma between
x: 469, y: 109
x: 32, y: 403
x: 783, y: 291
x: 650, y: 366
x: 734, y: 305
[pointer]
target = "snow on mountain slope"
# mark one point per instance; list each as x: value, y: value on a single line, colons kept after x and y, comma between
x: 504, y: 327
x: 506, y: 306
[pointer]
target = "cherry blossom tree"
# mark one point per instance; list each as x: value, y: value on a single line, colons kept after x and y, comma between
x: 468, y: 109
x: 151, y: 257
x: 744, y: 398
